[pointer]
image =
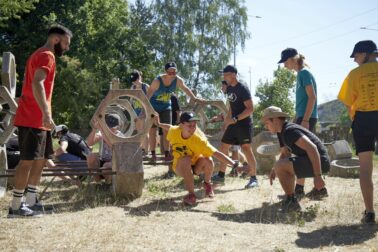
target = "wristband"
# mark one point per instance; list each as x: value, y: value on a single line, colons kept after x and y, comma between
x: 236, y: 164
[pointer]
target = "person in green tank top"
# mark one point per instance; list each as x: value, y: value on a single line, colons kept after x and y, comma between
x: 159, y: 93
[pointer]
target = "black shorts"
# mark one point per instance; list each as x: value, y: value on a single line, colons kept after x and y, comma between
x: 164, y: 117
x: 312, y: 123
x: 303, y: 166
x: 35, y: 144
x: 236, y: 134
x: 365, y: 130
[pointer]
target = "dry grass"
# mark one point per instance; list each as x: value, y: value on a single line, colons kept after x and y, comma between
x: 235, y: 220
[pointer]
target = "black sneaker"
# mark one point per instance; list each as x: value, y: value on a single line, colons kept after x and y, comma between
x: 316, y: 194
x: 299, y: 192
x: 233, y: 173
x: 290, y: 205
x: 23, y: 211
x: 169, y: 175
x: 368, y: 218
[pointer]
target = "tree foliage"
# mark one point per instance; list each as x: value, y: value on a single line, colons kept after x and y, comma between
x: 277, y: 92
x: 112, y: 38
x: 13, y: 9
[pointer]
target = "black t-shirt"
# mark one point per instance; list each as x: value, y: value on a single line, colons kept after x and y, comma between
x: 290, y: 134
x: 76, y: 145
x: 236, y: 96
x: 175, y: 108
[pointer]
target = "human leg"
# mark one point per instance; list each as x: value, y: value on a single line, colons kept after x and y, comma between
x: 184, y: 169
x: 93, y: 162
x: 366, y: 182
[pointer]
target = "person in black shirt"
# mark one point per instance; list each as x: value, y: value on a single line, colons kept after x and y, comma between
x: 72, y: 147
x: 238, y: 124
x: 302, y: 155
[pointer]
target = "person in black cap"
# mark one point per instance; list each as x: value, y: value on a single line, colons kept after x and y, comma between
x: 192, y: 154
x: 238, y: 124
x: 359, y: 92
x: 136, y: 79
x: 159, y: 94
x: 306, y: 112
x: 72, y: 147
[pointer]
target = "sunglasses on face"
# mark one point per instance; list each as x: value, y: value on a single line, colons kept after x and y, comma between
x: 171, y: 73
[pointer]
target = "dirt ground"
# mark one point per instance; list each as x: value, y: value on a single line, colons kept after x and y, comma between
x: 91, y: 219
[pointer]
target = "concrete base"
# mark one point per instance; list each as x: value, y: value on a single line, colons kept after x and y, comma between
x: 128, y: 163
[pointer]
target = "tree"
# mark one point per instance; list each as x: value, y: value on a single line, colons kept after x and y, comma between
x: 13, y: 9
x: 199, y: 36
x: 276, y: 93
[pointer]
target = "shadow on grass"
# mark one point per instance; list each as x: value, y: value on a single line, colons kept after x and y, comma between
x: 339, y: 235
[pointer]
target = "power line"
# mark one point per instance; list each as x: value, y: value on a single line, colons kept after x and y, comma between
x: 321, y: 28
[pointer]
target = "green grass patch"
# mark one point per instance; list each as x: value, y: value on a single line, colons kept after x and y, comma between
x: 226, y: 208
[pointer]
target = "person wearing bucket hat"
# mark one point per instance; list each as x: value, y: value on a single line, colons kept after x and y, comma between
x: 306, y: 112
x: 302, y: 155
x: 104, y: 157
x: 159, y: 93
x: 192, y: 154
x: 359, y: 93
x: 136, y: 80
x: 238, y: 124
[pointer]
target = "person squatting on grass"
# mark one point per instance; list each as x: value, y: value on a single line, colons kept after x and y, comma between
x: 359, y: 92
x: 306, y: 112
x: 310, y: 157
x: 238, y: 125
x: 34, y: 121
x: 192, y: 154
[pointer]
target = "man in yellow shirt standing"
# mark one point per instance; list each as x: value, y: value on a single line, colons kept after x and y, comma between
x: 359, y: 92
x: 192, y: 154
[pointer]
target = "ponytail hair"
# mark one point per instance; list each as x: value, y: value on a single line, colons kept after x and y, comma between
x: 300, y: 59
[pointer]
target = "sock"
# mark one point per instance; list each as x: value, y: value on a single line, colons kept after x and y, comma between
x: 221, y: 174
x: 17, y: 197
x: 31, y: 195
x: 166, y: 153
x: 153, y: 153
x: 291, y: 197
x: 298, y: 187
x: 253, y: 178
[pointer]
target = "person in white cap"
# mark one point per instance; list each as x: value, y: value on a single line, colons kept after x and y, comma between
x: 302, y: 155
x: 359, y: 93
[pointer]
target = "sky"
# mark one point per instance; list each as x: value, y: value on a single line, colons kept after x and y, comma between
x: 325, y: 32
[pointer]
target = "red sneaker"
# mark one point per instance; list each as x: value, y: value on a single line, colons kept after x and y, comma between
x: 190, y: 199
x: 209, y: 191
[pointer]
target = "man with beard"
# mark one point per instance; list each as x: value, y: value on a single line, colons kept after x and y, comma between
x: 34, y: 121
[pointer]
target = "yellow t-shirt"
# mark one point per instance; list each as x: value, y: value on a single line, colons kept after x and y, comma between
x: 360, y: 89
x: 195, y: 146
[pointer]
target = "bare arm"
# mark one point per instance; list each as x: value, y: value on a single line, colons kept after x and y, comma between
x: 310, y: 105
x: 164, y: 126
x: 187, y: 91
x: 223, y: 158
x: 152, y: 88
x: 62, y: 148
x: 40, y: 97
x: 93, y: 138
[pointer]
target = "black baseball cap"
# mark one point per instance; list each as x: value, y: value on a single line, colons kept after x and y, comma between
x: 112, y: 120
x: 286, y: 54
x: 134, y: 75
x: 364, y: 46
x: 188, y: 117
x: 229, y: 69
x: 170, y: 65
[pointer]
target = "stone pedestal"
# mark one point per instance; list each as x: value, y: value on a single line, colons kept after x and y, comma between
x: 127, y: 162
